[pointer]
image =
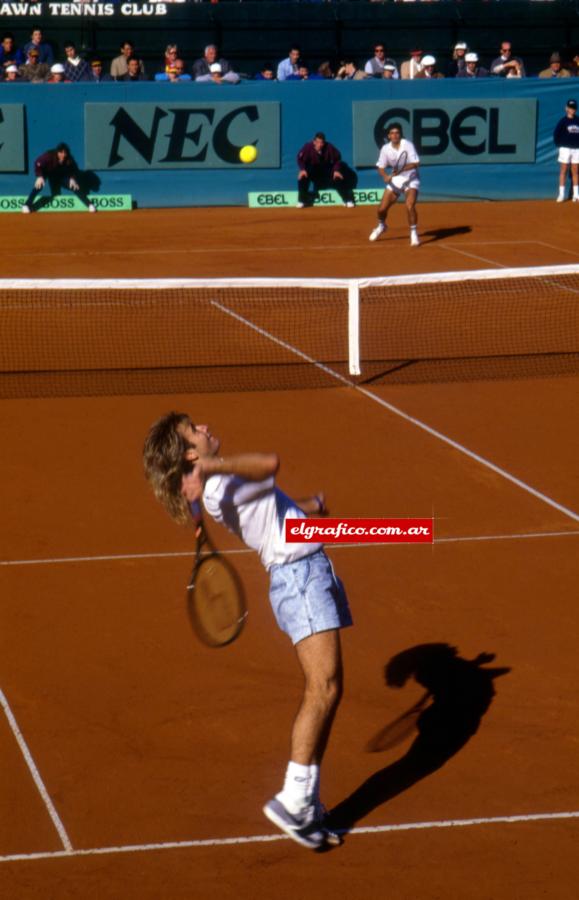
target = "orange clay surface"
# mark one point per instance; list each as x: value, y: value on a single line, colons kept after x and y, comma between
x: 147, y: 743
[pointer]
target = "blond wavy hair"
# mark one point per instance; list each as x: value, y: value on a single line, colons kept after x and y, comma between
x: 165, y: 465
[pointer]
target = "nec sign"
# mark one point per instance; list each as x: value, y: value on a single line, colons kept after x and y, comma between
x: 12, y: 144
x: 450, y: 131
x: 180, y: 135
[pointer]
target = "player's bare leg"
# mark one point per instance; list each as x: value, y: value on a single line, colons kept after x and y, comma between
x: 297, y: 809
x: 321, y: 660
x: 563, y: 170
x: 389, y: 198
x: 411, y: 197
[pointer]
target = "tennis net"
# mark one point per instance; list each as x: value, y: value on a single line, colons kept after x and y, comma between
x: 82, y: 338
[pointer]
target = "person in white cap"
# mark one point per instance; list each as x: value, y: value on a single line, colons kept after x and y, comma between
x: 428, y: 68
x: 566, y: 138
x: 11, y: 74
x: 56, y: 74
x: 457, y: 62
x: 211, y: 69
x: 472, y: 68
x: 400, y: 156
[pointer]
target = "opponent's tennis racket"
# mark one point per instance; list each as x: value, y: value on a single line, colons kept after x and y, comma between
x: 215, y: 597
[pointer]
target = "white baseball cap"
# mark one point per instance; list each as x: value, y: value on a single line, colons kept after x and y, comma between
x: 471, y: 57
x: 428, y: 61
x: 215, y: 68
x: 11, y: 68
x: 390, y: 67
x: 460, y: 46
x: 57, y: 69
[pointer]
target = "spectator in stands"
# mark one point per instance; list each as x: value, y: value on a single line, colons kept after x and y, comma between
x: 375, y: 66
x: 60, y: 170
x: 303, y: 73
x: 325, y: 70
x: 389, y: 70
x: 472, y: 68
x: 555, y: 69
x: 289, y: 66
x: 428, y: 69
x: 575, y: 65
x: 211, y: 68
x: 266, y: 73
x: 411, y: 67
x: 457, y: 62
x: 120, y: 66
x: 133, y: 72
x: 11, y: 74
x: 33, y: 70
x: 171, y: 54
x: 96, y: 72
x: 10, y: 55
x: 36, y: 42
x: 506, y: 65
x: 321, y: 163
x: 175, y: 73
x: 57, y: 74
x: 75, y: 68
x: 349, y: 71
x: 566, y: 138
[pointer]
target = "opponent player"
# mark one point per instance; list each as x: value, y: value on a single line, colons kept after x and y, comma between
x: 400, y: 156
x: 183, y: 465
x: 60, y: 170
x: 566, y: 137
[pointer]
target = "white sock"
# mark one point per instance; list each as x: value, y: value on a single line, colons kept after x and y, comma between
x: 576, y: 190
x: 296, y: 792
x: 561, y: 191
x: 413, y: 229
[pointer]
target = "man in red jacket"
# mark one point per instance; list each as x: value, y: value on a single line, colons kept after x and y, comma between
x: 321, y: 163
x: 60, y: 170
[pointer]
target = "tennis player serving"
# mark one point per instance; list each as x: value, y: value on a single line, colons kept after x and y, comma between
x: 400, y: 156
x: 184, y: 466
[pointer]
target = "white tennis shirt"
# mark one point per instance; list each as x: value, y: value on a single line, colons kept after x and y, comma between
x: 389, y: 157
x: 256, y: 512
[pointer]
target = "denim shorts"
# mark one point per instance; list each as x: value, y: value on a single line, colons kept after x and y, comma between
x: 307, y: 597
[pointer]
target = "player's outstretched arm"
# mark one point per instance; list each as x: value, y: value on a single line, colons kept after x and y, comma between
x: 313, y: 506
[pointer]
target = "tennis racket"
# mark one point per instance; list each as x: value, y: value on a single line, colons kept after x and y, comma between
x: 397, y: 731
x: 400, y: 163
x: 215, y: 597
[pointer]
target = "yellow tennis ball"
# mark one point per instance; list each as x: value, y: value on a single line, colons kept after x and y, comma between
x: 248, y: 154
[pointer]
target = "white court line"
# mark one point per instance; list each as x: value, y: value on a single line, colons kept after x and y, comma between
x: 120, y: 557
x: 408, y: 418
x: 454, y: 249
x: 68, y: 848
x: 271, y: 838
x: 553, y: 247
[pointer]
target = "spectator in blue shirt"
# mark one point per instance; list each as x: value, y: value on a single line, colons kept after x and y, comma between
x: 10, y: 55
x: 45, y: 54
x: 289, y: 66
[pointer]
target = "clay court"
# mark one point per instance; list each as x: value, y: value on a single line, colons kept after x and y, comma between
x: 136, y: 761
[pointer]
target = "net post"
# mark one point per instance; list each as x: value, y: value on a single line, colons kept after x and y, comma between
x: 354, y: 327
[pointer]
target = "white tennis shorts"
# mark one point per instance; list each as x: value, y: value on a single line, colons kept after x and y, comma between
x: 569, y: 155
x: 402, y: 183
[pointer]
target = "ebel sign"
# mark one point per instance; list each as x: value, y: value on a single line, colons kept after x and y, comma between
x: 180, y: 135
x: 450, y: 131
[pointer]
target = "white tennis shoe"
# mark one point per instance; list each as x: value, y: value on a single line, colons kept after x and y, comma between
x: 25, y: 209
x: 303, y: 827
x: 414, y: 239
x: 380, y: 229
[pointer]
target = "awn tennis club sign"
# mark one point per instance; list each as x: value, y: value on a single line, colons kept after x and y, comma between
x: 180, y: 135
x: 448, y: 132
x: 38, y: 10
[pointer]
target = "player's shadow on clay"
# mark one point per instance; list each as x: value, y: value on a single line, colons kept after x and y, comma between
x: 458, y: 694
x: 439, y: 234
